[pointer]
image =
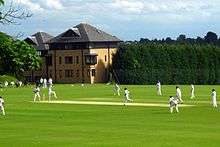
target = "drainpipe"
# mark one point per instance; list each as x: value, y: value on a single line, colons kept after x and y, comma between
x: 82, y: 66
x: 55, y: 66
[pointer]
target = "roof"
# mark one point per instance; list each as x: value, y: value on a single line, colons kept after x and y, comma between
x: 40, y: 39
x: 84, y: 33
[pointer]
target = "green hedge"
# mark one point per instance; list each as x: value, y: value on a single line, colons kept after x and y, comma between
x: 139, y: 63
x: 8, y: 78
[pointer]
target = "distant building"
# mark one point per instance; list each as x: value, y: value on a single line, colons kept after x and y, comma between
x: 39, y: 41
x: 82, y: 54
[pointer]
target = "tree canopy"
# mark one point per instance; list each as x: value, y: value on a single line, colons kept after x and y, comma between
x: 17, y: 56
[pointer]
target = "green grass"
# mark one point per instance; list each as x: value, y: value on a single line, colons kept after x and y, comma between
x: 63, y: 125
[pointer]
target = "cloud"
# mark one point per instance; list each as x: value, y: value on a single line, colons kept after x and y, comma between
x: 52, y: 4
x: 40, y: 5
x: 35, y: 7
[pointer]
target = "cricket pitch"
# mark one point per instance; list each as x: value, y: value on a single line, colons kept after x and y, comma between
x: 112, y: 103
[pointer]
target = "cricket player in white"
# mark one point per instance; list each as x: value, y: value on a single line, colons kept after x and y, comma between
x: 173, y: 103
x: 214, y: 100
x: 179, y: 94
x: 6, y: 84
x: 50, y: 82
x: 41, y: 81
x: 117, y: 90
x: 158, y: 85
x: 127, y: 93
x: 37, y: 93
x: 2, y: 105
x: 45, y: 83
x: 51, y: 92
x: 192, y: 91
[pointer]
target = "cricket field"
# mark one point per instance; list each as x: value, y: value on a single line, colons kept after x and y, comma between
x: 91, y: 116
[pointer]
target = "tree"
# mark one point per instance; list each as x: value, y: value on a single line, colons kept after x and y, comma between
x: 181, y: 38
x: 211, y: 37
x: 13, y: 14
x: 1, y: 2
x: 17, y: 56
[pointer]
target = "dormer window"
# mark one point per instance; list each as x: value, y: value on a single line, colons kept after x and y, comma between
x: 91, y: 59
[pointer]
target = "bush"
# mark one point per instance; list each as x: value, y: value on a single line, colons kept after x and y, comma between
x: 8, y: 78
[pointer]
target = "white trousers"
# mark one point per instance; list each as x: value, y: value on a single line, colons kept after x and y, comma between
x: 36, y: 95
x: 159, y: 92
x: 171, y: 108
x: 127, y: 99
x: 52, y: 93
x: 3, y: 110
x: 214, y: 102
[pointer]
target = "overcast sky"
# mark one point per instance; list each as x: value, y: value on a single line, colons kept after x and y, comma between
x: 126, y: 19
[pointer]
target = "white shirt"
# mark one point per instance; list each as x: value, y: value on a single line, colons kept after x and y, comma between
x: 41, y: 80
x: 126, y: 92
x: 178, y: 92
x: 214, y: 95
x: 158, y: 84
x: 50, y: 81
x: 45, y: 81
x: 1, y: 102
x: 173, y: 101
x: 192, y: 87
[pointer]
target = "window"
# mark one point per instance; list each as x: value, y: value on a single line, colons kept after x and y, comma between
x: 105, y: 58
x: 49, y: 60
x: 93, y: 72
x: 77, y: 59
x: 91, y: 59
x: 68, y: 73
x: 88, y: 72
x: 39, y: 53
x: 60, y: 60
x: 69, y: 60
x: 77, y: 73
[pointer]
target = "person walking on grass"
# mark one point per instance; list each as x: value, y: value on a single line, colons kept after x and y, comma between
x: 127, y: 96
x: 214, y: 99
x: 37, y: 93
x: 192, y: 91
x: 117, y: 89
x: 2, y: 105
x: 173, y: 102
x: 51, y: 92
x: 179, y: 94
x: 158, y: 86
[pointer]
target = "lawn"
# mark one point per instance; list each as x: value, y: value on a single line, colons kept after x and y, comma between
x: 28, y: 124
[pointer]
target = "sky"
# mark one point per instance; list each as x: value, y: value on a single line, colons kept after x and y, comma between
x: 126, y: 19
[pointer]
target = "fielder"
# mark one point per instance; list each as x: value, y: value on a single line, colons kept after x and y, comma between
x: 2, y: 105
x: 117, y: 90
x: 214, y: 100
x: 51, y: 92
x: 37, y: 93
x: 179, y: 94
x: 50, y: 82
x: 6, y: 84
x: 127, y: 93
x: 192, y: 91
x: 41, y: 81
x: 158, y: 85
x: 45, y: 83
x: 173, y: 102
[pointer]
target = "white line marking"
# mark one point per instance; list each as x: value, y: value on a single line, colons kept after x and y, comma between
x: 112, y: 103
